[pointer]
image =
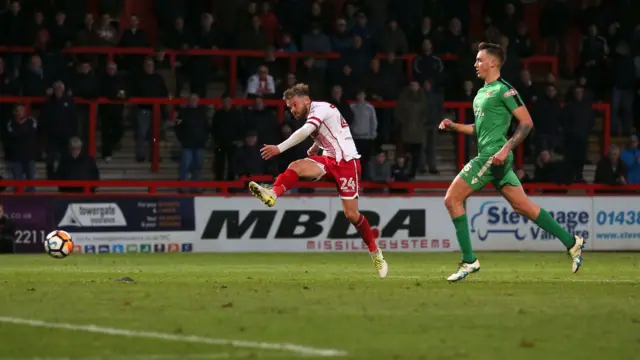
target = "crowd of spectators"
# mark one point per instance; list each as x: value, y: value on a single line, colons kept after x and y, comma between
x: 608, y: 71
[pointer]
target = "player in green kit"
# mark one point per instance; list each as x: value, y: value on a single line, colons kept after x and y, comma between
x: 493, y: 107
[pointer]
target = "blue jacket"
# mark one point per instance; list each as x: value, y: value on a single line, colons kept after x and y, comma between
x: 631, y: 158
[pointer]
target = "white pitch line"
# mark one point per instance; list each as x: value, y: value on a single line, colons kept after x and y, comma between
x: 298, y: 349
x: 136, y: 357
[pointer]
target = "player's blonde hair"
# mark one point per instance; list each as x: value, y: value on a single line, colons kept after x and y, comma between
x: 296, y: 90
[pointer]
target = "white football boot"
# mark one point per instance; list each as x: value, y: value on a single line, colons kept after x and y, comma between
x: 575, y: 253
x: 380, y: 263
x: 464, y: 270
x: 266, y: 195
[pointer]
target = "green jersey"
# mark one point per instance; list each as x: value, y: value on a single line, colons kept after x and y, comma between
x: 492, y: 108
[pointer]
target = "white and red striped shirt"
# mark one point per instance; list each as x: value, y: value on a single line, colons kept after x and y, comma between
x: 332, y: 132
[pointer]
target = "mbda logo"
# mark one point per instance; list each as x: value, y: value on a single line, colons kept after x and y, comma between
x: 322, y: 230
x: 497, y: 217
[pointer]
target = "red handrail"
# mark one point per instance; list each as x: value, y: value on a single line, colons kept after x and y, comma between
x: 233, y: 56
x: 152, y: 187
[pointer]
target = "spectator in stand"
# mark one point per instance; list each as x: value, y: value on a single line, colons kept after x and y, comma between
x: 88, y: 36
x: 554, y: 26
x: 363, y: 30
x: 425, y: 32
x: 508, y: 22
x: 163, y: 67
x: 340, y: 102
x: 264, y: 122
x: 261, y: 84
x: 61, y: 32
x: 177, y: 38
x: 36, y: 25
x: 209, y: 36
x: 364, y: 127
x: 308, y: 73
x: 593, y: 50
x: 59, y: 122
x: 106, y: 33
x: 84, y: 85
x: 547, y: 114
x: 319, y: 17
x: 246, y: 15
x: 526, y: 88
x: 613, y: 35
x: 410, y: 114
x: 77, y: 165
x: 611, y: 170
x: 522, y: 44
x: 192, y: 130
x: 22, y: 138
x: 579, y: 120
x: 594, y: 13
x: 349, y: 82
x: 512, y: 65
x: 149, y: 84
x: 581, y: 81
x: 428, y: 66
x: 35, y: 80
x: 631, y: 158
x: 378, y: 170
x: 547, y: 169
x: 341, y: 39
x: 317, y: 42
x: 247, y: 160
x: 269, y: 22
x: 135, y: 38
x: 15, y: 31
x: 357, y: 57
x: 622, y: 94
x: 408, y: 12
x: 286, y: 43
x: 275, y: 65
x: 435, y: 114
x: 400, y: 173
x: 454, y: 41
x: 393, y: 39
x: 8, y: 86
x: 112, y: 87
x: 227, y: 132
x: 290, y: 80
x: 253, y: 38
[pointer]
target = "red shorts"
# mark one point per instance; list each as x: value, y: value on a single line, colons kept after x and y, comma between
x: 346, y: 174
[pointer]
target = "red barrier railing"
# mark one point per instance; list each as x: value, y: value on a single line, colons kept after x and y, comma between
x: 226, y: 188
x: 460, y: 107
x: 233, y: 56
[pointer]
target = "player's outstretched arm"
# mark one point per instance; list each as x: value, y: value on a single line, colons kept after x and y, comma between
x: 448, y: 125
x: 269, y: 151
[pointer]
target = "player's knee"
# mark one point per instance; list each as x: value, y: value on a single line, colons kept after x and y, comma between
x: 451, y: 202
x: 352, y: 215
x: 297, y: 166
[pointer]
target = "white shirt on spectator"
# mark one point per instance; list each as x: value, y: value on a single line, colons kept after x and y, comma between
x: 261, y: 86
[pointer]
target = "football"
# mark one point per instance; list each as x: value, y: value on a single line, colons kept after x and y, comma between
x: 58, y: 244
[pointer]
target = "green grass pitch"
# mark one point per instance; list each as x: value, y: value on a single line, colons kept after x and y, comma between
x: 519, y: 306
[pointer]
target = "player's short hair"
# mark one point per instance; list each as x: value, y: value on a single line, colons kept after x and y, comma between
x: 296, y: 90
x: 494, y: 50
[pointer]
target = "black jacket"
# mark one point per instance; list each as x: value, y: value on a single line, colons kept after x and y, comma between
x: 60, y: 117
x: 149, y: 86
x: 607, y: 174
x: 83, y: 167
x: 22, y: 138
x: 228, y: 126
x: 192, y: 128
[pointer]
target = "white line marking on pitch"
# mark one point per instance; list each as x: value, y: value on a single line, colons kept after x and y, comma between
x: 298, y: 349
x: 138, y: 357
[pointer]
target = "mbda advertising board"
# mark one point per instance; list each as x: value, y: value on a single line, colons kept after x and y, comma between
x: 316, y: 224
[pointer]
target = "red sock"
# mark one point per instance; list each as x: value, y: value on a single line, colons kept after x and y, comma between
x: 365, y: 232
x: 285, y: 182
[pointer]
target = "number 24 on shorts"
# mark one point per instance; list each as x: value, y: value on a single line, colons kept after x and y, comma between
x: 347, y: 184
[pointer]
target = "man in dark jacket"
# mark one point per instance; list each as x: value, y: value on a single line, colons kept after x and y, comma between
x: 22, y: 133
x: 579, y: 120
x: 59, y: 122
x: 338, y: 100
x: 227, y: 131
x: 547, y: 115
x: 192, y: 131
x: 247, y: 160
x: 77, y: 165
x: 147, y: 85
x: 611, y: 170
x: 34, y: 80
x: 112, y: 87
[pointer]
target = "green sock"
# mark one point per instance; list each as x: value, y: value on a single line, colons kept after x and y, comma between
x: 548, y: 224
x: 464, y: 238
